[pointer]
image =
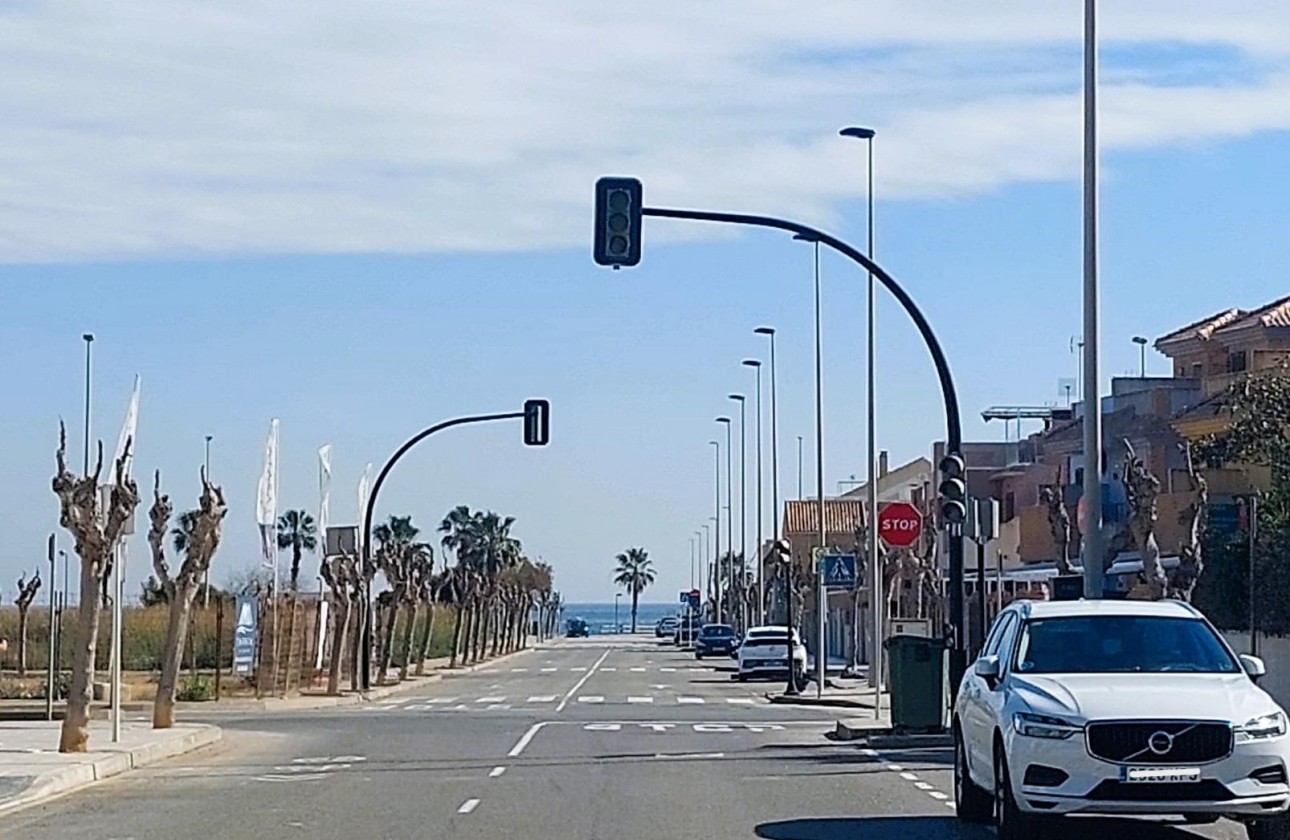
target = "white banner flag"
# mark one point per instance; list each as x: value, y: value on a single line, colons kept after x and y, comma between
x: 129, y: 430
x: 266, y: 502
x: 324, y: 495
x: 364, y: 484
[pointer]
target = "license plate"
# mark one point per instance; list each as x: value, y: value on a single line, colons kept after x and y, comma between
x: 1158, y: 775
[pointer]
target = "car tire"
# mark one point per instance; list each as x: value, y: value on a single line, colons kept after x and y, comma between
x: 741, y: 677
x: 1010, y: 822
x: 972, y: 803
x: 1273, y: 828
x: 698, y: 655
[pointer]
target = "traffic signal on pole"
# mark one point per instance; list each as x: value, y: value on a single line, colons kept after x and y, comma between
x: 537, y: 422
x: 618, y: 222
x: 783, y: 551
x: 953, y: 489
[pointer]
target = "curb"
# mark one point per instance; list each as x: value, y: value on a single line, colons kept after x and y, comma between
x: 829, y: 702
x: 63, y: 780
x: 880, y: 736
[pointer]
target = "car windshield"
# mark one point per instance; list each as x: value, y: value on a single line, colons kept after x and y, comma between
x: 1121, y: 644
x: 780, y: 640
x: 718, y: 631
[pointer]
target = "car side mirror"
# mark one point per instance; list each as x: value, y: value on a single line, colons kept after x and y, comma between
x: 1254, y: 666
x: 987, y: 668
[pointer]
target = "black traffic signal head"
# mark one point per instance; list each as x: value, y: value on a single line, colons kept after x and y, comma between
x: 537, y: 422
x: 953, y: 489
x: 783, y: 551
x: 618, y: 222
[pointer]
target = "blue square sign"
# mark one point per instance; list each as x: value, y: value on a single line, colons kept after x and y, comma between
x: 838, y: 570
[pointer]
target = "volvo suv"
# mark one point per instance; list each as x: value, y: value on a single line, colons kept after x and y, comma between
x: 1116, y: 708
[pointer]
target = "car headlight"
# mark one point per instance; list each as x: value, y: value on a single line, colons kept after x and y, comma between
x: 1266, y: 726
x: 1043, y: 726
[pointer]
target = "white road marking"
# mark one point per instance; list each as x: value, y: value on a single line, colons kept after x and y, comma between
x: 763, y: 727
x: 895, y: 768
x: 553, y: 670
x: 909, y: 777
x: 922, y: 786
x: 658, y: 727
x: 582, y: 681
x: 602, y: 727
x: 490, y: 700
x: 712, y: 727
x: 642, y: 670
x: 468, y: 806
x: 541, y: 698
x: 659, y: 686
x: 741, y: 701
x: 698, y: 670
x: 698, y: 700
x: 579, y: 669
x: 591, y: 698
x: 684, y: 756
x: 525, y: 739
x: 936, y: 794
x: 609, y: 668
x: 460, y: 707
x: 435, y: 701
x: 638, y: 699
x: 497, y: 707
x: 673, y: 670
x: 872, y: 753
x: 496, y: 771
x: 525, y: 670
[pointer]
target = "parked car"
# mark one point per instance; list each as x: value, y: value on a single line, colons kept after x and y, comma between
x: 576, y: 627
x: 666, y: 626
x: 715, y: 640
x: 764, y: 653
x: 1116, y: 708
x: 686, y: 631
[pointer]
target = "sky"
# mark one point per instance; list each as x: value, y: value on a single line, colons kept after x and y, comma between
x: 365, y: 219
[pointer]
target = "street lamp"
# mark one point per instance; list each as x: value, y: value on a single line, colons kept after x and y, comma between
x: 799, y: 467
x: 1141, y: 341
x: 206, y: 575
x: 821, y: 536
x: 692, y: 539
x: 730, y: 523
x: 743, y: 509
x: 755, y: 364
x: 716, y: 551
x: 703, y: 567
x: 875, y: 671
x: 774, y: 434
x: 1093, y: 539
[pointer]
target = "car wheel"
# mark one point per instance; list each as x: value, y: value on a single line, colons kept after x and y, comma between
x: 741, y: 677
x: 1009, y: 821
x: 1273, y: 828
x: 972, y: 803
x: 698, y: 655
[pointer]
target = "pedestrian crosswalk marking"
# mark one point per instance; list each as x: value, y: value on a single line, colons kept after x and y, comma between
x: 638, y: 699
x: 578, y: 670
x: 690, y: 700
x: 541, y: 698
x: 548, y: 670
x: 609, y: 668
x: 667, y: 670
x: 741, y: 701
x: 638, y: 670
x: 519, y: 670
x: 441, y: 700
x: 490, y: 700
x: 591, y: 699
x: 497, y: 707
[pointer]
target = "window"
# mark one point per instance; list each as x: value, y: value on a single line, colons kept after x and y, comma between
x: 1121, y: 644
x: 1009, y: 506
x: 1236, y: 362
x: 1001, y: 626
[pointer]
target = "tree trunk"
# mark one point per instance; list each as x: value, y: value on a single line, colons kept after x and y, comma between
x: 338, y: 650
x: 456, y: 635
x: 635, y: 598
x: 359, y: 610
x: 405, y: 643
x: 172, y: 657
x: 426, y: 639
x: 391, y: 616
x: 22, y: 642
x: 75, y: 732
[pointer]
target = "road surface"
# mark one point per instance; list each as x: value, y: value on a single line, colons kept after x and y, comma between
x: 578, y: 740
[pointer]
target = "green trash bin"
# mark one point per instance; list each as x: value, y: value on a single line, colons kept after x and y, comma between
x: 917, y: 666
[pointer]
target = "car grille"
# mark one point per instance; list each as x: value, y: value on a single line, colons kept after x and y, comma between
x: 1206, y: 790
x: 1175, y: 741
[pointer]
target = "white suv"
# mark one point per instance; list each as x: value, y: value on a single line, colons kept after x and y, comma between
x: 1116, y: 707
x: 764, y: 653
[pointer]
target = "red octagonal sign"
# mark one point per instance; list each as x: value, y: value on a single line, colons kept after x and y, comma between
x: 899, y: 524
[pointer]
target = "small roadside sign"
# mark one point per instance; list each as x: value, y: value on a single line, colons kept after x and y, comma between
x: 693, y: 598
x: 838, y: 570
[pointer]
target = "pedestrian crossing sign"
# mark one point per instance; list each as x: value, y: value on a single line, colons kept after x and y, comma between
x: 838, y: 570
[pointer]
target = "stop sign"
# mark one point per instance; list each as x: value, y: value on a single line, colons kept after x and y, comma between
x: 899, y: 524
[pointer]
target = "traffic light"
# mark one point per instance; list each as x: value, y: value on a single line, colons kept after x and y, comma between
x: 953, y: 489
x: 618, y: 222
x: 783, y: 551
x: 537, y: 422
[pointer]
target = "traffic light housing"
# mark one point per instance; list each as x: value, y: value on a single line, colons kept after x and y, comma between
x: 618, y: 222
x: 783, y: 551
x: 537, y: 422
x: 953, y: 490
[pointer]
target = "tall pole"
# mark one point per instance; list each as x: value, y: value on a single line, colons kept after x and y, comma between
x: 53, y: 636
x: 206, y: 575
x: 800, y: 491
x: 703, y: 567
x: 1093, y: 542
x: 743, y: 511
x: 715, y: 582
x: 724, y: 563
x: 89, y: 340
x: 774, y: 441
x: 755, y: 364
x: 1254, y: 531
x: 821, y: 655
x: 692, y: 539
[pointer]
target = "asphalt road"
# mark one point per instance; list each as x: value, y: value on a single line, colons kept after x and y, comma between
x: 585, y: 740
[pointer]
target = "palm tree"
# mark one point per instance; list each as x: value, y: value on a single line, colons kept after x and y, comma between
x: 635, y: 572
x: 296, y: 531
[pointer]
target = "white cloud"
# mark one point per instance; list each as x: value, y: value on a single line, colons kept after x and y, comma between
x: 159, y: 128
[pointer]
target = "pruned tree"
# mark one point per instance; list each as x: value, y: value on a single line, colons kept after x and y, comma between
x: 96, y: 533
x: 341, y: 576
x: 1182, y: 578
x: 27, y: 590
x: 1059, y: 524
x: 197, y: 537
x: 1141, y: 490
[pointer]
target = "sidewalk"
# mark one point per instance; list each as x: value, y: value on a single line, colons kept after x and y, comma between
x: 32, y: 770
x: 838, y: 693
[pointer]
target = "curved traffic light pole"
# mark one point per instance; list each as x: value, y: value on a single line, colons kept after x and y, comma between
x: 371, y: 505
x: 953, y: 425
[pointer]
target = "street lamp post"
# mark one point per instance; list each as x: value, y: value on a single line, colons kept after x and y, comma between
x: 617, y: 627
x: 724, y: 564
x: 703, y: 567
x: 1093, y: 542
x: 89, y: 340
x: 875, y: 564
x: 821, y: 656
x: 741, y: 613
x: 774, y: 437
x: 755, y: 364
x: 692, y: 539
x: 715, y: 581
x: 799, y: 467
x: 1141, y: 341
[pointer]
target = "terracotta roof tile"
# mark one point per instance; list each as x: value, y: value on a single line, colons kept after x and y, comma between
x: 840, y: 516
x: 1275, y: 314
x: 1205, y: 327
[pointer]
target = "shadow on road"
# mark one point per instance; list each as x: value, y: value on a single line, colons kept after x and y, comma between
x: 949, y: 828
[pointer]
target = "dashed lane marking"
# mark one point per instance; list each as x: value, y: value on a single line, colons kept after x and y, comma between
x: 541, y: 698
x: 468, y: 806
x: 491, y: 700
x: 696, y: 700
x: 593, y: 698
x: 639, y: 699
x: 496, y: 771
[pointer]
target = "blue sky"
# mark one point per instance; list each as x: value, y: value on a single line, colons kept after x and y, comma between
x: 380, y: 223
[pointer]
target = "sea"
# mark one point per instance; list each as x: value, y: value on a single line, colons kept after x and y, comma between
x: 600, y: 617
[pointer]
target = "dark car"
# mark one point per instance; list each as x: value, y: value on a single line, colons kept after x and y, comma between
x: 715, y: 640
x: 686, y: 631
x: 576, y: 627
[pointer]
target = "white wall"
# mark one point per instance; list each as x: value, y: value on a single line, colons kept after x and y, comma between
x: 1275, y: 651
